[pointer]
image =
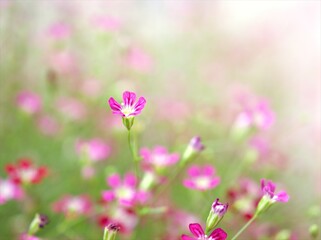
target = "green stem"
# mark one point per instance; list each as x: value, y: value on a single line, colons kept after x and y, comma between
x: 244, y: 227
x: 132, y: 146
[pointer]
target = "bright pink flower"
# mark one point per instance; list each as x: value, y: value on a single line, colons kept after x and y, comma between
x: 128, y: 108
x: 73, y: 205
x: 9, y: 190
x: 26, y: 236
x: 125, y: 191
x: 95, y: 149
x: 139, y: 60
x: 197, y: 231
x: 25, y: 173
x: 201, y: 178
x: 29, y: 102
x: 268, y: 189
x: 58, y: 31
x: 158, y: 157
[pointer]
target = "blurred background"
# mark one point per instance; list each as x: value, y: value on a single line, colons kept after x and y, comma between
x: 194, y: 62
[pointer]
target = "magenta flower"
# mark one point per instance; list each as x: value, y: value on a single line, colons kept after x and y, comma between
x: 128, y: 108
x: 216, y: 214
x: 125, y: 191
x: 158, y: 158
x: 201, y: 178
x: 29, y: 102
x: 95, y: 149
x: 268, y: 189
x: 9, y: 190
x: 73, y: 206
x: 197, y: 231
x: 26, y: 236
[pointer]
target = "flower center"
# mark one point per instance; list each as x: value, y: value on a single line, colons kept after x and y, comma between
x: 202, y: 182
x: 125, y: 193
x: 126, y: 110
x: 159, y: 160
x: 75, y: 205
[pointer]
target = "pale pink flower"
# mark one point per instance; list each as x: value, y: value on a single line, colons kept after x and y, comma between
x: 26, y: 236
x: 128, y: 108
x: 58, y: 31
x: 73, y: 205
x: 71, y: 109
x: 126, y: 218
x: 107, y: 23
x: 9, y: 190
x: 91, y: 88
x: 63, y: 62
x: 125, y: 192
x: 48, y: 125
x: 198, y: 232
x: 29, y: 102
x: 95, y: 149
x: 158, y: 158
x: 139, y: 60
x: 201, y: 178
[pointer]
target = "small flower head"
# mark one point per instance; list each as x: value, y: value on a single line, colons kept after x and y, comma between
x: 125, y: 191
x: 24, y: 172
x: 9, y: 190
x: 201, y: 178
x: 194, y: 147
x: 269, y: 196
x: 197, y: 231
x: 39, y: 221
x: 110, y: 231
x: 94, y: 149
x: 128, y: 108
x: 73, y: 206
x: 158, y: 158
x: 216, y: 214
x: 58, y: 31
x: 29, y: 102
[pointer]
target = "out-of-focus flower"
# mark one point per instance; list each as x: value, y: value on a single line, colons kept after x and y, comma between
x: 94, y: 149
x: 110, y: 231
x: 197, y: 230
x: 91, y: 88
x: 216, y: 214
x: 245, y: 197
x: 269, y: 196
x: 58, y: 31
x: 48, y: 125
x: 158, y: 158
x: 126, y: 219
x: 39, y: 221
x: 26, y: 236
x: 28, y: 102
x: 107, y: 23
x: 201, y: 178
x: 73, y: 206
x: 63, y: 62
x: 9, y: 190
x: 194, y: 147
x: 124, y: 191
x: 128, y: 109
x: 71, y: 109
x: 25, y: 172
x: 139, y: 60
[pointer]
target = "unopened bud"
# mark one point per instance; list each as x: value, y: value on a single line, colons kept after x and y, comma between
x: 38, y: 222
x: 110, y: 231
x: 194, y: 147
x: 216, y: 214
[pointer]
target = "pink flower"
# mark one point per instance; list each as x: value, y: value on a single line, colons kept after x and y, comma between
x: 107, y: 23
x: 26, y: 236
x: 158, y: 157
x: 124, y: 191
x: 139, y: 60
x: 25, y: 173
x: 73, y: 206
x: 95, y: 149
x: 268, y: 189
x: 197, y: 231
x: 48, y: 125
x: 29, y: 102
x: 9, y: 190
x: 128, y: 108
x: 58, y: 31
x: 201, y: 178
x: 71, y: 108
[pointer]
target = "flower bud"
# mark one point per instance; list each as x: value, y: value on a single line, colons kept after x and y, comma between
x: 314, y: 231
x: 128, y: 122
x: 110, y: 231
x: 38, y: 222
x: 216, y: 214
x: 194, y: 147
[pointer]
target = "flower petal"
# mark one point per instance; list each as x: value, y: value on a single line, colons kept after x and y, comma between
x: 208, y: 170
x: 194, y: 171
x: 185, y: 237
x: 108, y: 196
x: 139, y: 106
x: 189, y: 184
x: 129, y: 98
x: 214, y: 182
x: 115, y: 106
x: 196, y: 229
x: 114, y: 180
x: 218, y: 234
x: 282, y: 196
x: 130, y: 180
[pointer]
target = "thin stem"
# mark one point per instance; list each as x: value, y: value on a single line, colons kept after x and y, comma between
x: 132, y: 147
x: 244, y: 227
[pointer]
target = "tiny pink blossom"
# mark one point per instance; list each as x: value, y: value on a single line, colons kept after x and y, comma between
x: 29, y: 102
x: 58, y: 30
x: 73, y: 205
x: 95, y: 149
x: 158, y: 157
x: 139, y: 60
x: 268, y: 190
x: 26, y: 236
x: 9, y: 190
x: 124, y: 191
x: 201, y: 178
x: 128, y: 108
x: 198, y: 232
